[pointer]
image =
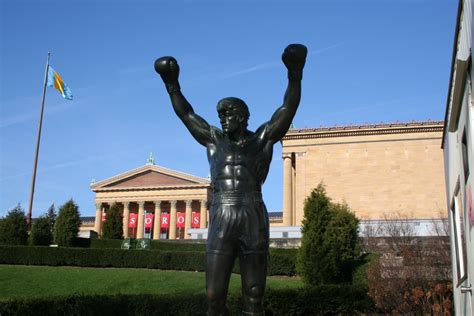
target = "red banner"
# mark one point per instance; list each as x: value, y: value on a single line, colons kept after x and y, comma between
x: 196, y: 220
x: 180, y: 219
x: 103, y: 217
x: 165, y: 220
x: 149, y: 220
x: 132, y: 220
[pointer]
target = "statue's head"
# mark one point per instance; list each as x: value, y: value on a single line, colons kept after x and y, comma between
x: 233, y: 114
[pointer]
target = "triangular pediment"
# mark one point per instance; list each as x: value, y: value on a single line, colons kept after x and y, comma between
x: 149, y: 176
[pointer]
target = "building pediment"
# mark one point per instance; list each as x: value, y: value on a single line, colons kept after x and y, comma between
x: 149, y: 177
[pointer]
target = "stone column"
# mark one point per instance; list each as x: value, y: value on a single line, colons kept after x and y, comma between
x: 188, y: 219
x: 141, y: 219
x: 126, y: 215
x: 172, y: 234
x: 98, y: 218
x: 157, y: 221
x: 287, y: 190
x: 203, y: 219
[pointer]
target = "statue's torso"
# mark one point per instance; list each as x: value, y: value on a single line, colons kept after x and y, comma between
x: 239, y: 167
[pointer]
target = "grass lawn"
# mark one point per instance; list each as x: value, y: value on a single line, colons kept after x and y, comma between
x: 40, y: 281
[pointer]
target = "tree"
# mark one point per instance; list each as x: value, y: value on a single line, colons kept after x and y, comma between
x: 113, y: 226
x: 342, y: 242
x: 67, y: 224
x: 51, y: 214
x: 330, y: 240
x: 13, y: 229
x: 41, y: 232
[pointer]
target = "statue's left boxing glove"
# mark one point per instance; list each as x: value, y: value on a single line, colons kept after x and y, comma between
x: 294, y: 58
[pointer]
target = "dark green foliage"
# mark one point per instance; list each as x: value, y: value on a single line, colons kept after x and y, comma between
x: 67, y: 224
x: 329, y: 243
x: 118, y: 258
x: 326, y: 299
x: 113, y: 226
x: 342, y: 242
x: 178, y: 245
x: 13, y: 229
x: 41, y: 232
x: 280, y: 262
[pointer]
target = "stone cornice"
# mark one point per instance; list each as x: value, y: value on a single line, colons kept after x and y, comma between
x: 154, y: 188
x: 365, y: 130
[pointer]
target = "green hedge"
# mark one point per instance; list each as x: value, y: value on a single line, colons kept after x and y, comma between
x: 326, y: 299
x: 166, y: 260
x: 280, y: 262
x: 171, y: 245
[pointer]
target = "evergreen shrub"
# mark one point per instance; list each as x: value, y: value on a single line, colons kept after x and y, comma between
x: 113, y: 225
x: 329, y: 244
x: 13, y: 229
x: 41, y: 232
x: 66, y: 226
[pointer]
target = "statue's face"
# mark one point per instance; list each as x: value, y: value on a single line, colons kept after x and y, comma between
x: 230, y: 121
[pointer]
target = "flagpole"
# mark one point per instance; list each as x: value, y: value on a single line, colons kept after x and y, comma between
x: 35, y: 165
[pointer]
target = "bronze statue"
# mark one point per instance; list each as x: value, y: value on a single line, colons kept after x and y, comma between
x: 239, y: 161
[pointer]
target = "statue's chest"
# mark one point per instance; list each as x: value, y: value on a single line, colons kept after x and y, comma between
x: 236, y: 153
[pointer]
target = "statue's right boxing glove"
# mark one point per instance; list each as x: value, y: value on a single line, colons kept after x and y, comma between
x: 167, y: 67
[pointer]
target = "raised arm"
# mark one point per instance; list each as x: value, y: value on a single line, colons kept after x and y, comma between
x: 168, y: 69
x: 294, y: 58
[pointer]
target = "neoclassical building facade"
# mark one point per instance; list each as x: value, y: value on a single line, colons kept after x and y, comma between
x: 381, y: 171
x: 156, y: 202
x: 378, y: 170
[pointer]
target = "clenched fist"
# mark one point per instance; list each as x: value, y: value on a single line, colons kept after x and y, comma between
x: 168, y: 69
x: 294, y: 58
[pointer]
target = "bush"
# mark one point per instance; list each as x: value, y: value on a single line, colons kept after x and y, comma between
x: 113, y: 226
x: 41, y: 234
x: 282, y: 262
x: 329, y: 243
x: 13, y: 229
x: 331, y: 299
x: 67, y: 224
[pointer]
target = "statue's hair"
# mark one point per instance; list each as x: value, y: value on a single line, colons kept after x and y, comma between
x: 235, y: 105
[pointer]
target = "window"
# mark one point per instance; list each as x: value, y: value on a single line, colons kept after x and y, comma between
x: 458, y: 236
x: 465, y: 157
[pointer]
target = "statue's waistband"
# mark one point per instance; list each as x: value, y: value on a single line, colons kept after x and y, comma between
x: 236, y: 197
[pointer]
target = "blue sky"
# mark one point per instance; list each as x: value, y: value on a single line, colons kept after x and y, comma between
x: 370, y: 61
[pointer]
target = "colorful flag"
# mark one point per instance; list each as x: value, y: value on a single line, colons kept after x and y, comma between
x: 55, y: 80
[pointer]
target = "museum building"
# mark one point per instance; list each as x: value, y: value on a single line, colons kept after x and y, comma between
x: 156, y: 202
x: 380, y: 170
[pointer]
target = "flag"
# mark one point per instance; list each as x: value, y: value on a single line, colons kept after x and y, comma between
x: 55, y: 80
x: 132, y: 221
x: 180, y: 219
x: 196, y: 219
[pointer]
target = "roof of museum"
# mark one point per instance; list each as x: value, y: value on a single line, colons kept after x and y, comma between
x: 366, y: 129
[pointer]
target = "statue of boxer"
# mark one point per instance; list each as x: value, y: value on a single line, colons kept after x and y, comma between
x: 239, y: 160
